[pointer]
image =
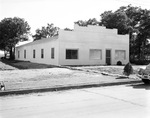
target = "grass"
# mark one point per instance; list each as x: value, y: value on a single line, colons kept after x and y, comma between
x: 30, y: 65
x: 43, y: 78
x: 26, y: 64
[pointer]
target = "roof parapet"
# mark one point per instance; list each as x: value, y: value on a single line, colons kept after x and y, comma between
x: 94, y: 28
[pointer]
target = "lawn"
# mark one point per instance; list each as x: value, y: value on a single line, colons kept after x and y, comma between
x: 27, y: 75
x: 25, y: 64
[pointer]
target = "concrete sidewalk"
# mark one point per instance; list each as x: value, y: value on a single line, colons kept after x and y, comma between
x: 74, y: 79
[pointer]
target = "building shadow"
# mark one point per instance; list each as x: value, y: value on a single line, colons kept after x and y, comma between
x: 25, y: 64
x: 141, y: 86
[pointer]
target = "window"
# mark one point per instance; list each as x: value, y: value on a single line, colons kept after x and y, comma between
x: 42, y: 53
x: 95, y: 54
x: 25, y: 54
x: 71, y: 54
x: 33, y: 53
x: 120, y: 54
x: 18, y: 54
x: 52, y: 53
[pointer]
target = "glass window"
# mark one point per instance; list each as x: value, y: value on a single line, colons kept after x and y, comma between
x: 18, y: 54
x: 42, y: 53
x: 71, y: 54
x: 25, y: 54
x: 52, y: 53
x: 33, y: 53
x: 95, y: 54
x: 120, y: 54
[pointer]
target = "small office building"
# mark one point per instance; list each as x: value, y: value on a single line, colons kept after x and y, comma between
x: 91, y: 45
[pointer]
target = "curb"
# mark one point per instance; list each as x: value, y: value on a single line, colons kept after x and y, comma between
x: 59, y: 88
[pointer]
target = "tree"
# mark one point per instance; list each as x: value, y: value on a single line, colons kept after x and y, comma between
x: 12, y: 30
x: 46, y: 32
x: 131, y: 20
x: 92, y: 21
x: 81, y: 23
x: 68, y: 29
x: 116, y: 20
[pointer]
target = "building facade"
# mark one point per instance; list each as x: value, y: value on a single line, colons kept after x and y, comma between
x: 91, y: 45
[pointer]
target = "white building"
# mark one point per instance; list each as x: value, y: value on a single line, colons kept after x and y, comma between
x: 91, y: 45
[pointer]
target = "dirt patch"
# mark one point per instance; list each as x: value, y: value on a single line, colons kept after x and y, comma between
x: 33, y: 78
x: 112, y: 70
x: 49, y: 76
x: 109, y: 69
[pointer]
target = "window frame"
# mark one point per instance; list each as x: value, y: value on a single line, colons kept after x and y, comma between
x: 18, y: 54
x: 71, y: 55
x: 42, y: 53
x: 122, y: 51
x: 52, y: 53
x: 34, y: 53
x: 100, y: 58
x: 25, y: 54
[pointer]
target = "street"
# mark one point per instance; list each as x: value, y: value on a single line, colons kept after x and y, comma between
x: 123, y: 101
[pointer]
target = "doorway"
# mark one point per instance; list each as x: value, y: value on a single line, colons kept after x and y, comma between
x: 108, y: 57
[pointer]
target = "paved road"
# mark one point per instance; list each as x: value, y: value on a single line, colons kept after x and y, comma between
x: 125, y: 101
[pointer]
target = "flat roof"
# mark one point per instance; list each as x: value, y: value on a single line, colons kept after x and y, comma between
x: 43, y: 40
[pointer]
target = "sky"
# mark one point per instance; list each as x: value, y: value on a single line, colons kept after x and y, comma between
x: 62, y: 13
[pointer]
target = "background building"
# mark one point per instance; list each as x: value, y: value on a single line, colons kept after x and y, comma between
x: 91, y: 45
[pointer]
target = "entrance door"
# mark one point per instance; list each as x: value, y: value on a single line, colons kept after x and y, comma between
x: 108, y: 57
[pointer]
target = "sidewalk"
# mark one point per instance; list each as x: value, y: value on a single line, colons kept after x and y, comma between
x: 53, y: 79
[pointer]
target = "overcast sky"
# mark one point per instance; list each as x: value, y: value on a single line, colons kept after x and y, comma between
x: 63, y: 13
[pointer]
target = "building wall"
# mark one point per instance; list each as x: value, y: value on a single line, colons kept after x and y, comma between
x: 92, y: 37
x: 95, y: 38
x: 37, y: 46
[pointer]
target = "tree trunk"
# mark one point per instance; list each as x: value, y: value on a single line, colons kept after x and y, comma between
x: 5, y: 54
x: 11, y: 52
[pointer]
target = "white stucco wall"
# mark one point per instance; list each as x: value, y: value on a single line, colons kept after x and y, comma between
x: 45, y: 44
x: 91, y: 37
x: 81, y: 38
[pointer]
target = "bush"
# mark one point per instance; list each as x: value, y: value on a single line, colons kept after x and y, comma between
x: 128, y: 69
x: 119, y: 63
x: 140, y: 62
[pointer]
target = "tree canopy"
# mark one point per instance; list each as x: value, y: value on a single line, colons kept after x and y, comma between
x: 12, y: 30
x: 68, y: 29
x: 46, y: 32
x: 92, y: 21
x: 131, y: 20
x: 118, y: 20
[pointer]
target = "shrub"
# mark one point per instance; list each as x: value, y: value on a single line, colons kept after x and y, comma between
x: 119, y: 63
x: 128, y: 69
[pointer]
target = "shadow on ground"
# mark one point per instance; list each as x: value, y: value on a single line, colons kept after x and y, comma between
x: 25, y: 64
x: 141, y: 86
